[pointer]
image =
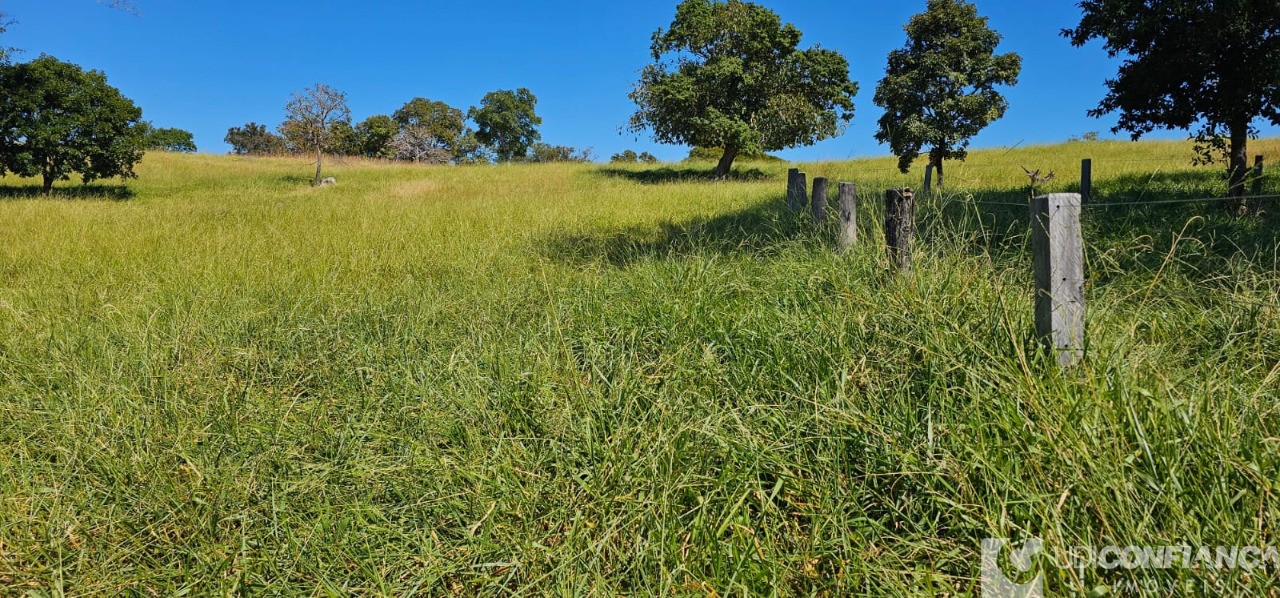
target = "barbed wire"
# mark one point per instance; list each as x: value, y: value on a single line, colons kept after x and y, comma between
x: 1177, y: 201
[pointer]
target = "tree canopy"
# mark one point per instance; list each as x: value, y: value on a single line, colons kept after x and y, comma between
x: 436, y: 120
x: 731, y: 75
x: 254, y: 139
x: 1190, y: 63
x: 167, y: 139
x: 939, y: 90
x: 507, y: 123
x: 376, y: 133
x: 56, y: 119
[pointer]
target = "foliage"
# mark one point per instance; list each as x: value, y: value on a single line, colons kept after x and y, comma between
x: 413, y: 144
x: 1190, y: 63
x: 169, y: 140
x: 4, y: 50
x: 731, y: 75
x: 343, y: 140
x: 507, y: 124
x: 434, y: 119
x: 57, y: 119
x: 254, y: 139
x: 375, y: 135
x: 939, y: 90
x: 311, y: 118
x: 631, y: 157
x: 547, y: 153
x: 712, y: 154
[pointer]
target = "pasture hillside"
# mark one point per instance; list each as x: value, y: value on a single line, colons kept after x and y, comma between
x: 620, y: 380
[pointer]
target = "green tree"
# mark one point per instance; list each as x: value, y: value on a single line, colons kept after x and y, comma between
x: 434, y: 119
x: 731, y: 75
x: 343, y: 140
x: 169, y: 140
x: 375, y: 134
x: 254, y: 139
x: 1190, y: 63
x: 547, y: 153
x: 625, y: 157
x: 507, y: 124
x: 312, y: 114
x: 939, y: 90
x: 57, y: 119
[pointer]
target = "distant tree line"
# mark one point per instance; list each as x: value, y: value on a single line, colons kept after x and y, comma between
x: 502, y: 128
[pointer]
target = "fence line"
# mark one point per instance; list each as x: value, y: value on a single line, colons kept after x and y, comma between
x: 1057, y: 243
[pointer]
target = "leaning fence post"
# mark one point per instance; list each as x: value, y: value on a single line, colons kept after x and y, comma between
x: 820, y: 199
x: 791, y: 188
x: 1086, y: 180
x: 928, y: 178
x: 848, y: 216
x: 1059, y: 269
x: 900, y: 226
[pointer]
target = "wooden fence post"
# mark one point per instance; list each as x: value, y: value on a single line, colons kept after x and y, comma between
x: 1086, y: 181
x: 1257, y: 175
x: 1059, y: 269
x: 900, y: 226
x: 802, y: 192
x: 928, y: 178
x: 791, y: 188
x: 848, y: 216
x: 820, y: 200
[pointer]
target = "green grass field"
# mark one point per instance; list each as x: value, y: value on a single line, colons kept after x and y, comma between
x: 595, y: 380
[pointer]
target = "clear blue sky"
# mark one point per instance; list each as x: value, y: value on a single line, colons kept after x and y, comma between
x: 207, y: 66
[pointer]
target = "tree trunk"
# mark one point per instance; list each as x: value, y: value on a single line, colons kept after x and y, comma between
x: 726, y: 162
x: 937, y: 167
x: 319, y: 158
x: 1238, y: 163
x: 46, y: 188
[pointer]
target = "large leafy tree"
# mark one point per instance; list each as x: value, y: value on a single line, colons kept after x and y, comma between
x: 731, y: 75
x: 939, y: 90
x: 507, y: 123
x: 313, y: 115
x: 436, y: 120
x: 375, y: 134
x: 1209, y: 64
x: 56, y: 119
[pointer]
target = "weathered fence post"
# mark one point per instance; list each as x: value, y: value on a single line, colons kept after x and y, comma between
x: 928, y: 178
x: 820, y: 199
x: 900, y: 226
x: 1059, y: 269
x: 799, y: 195
x: 1086, y: 181
x: 1257, y: 175
x: 848, y: 216
x: 791, y: 188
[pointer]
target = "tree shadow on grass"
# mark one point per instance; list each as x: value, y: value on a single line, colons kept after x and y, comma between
x: 1133, y: 222
x: 667, y: 174
x: 78, y: 192
x: 759, y: 230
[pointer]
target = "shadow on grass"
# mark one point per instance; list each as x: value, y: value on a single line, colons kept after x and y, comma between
x: 80, y: 192
x: 759, y: 230
x: 1136, y: 219
x: 667, y: 174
